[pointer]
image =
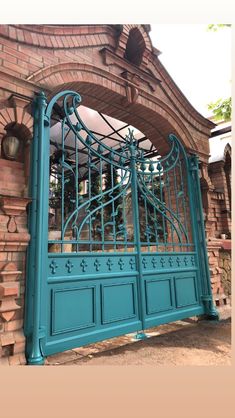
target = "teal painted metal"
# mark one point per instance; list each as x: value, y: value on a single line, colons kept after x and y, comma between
x: 130, y: 239
x: 141, y: 336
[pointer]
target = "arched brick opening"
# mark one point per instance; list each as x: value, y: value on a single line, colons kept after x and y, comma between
x: 227, y: 169
x: 107, y: 93
x: 153, y: 121
x: 135, y: 47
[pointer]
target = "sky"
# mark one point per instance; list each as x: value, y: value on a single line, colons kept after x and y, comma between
x: 199, y: 61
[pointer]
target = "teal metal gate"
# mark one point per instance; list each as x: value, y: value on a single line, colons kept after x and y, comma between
x: 129, y: 250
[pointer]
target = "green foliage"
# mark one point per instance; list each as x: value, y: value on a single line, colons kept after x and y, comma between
x: 112, y: 173
x: 95, y: 191
x: 69, y: 193
x: 95, y: 186
x: 155, y: 221
x: 222, y: 109
x: 215, y: 28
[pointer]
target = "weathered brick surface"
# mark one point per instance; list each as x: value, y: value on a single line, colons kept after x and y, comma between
x: 46, y: 56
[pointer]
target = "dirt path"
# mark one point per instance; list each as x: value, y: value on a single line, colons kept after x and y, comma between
x: 180, y: 343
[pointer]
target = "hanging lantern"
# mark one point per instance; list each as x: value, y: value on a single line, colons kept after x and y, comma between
x: 10, y: 146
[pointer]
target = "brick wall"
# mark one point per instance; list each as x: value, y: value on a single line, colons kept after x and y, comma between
x: 14, y: 239
x: 216, y: 193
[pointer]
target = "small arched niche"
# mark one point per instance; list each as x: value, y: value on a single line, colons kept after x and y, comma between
x: 227, y: 169
x: 135, y: 47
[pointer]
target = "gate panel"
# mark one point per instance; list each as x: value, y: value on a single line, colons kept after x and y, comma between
x: 97, y: 299
x: 115, y: 246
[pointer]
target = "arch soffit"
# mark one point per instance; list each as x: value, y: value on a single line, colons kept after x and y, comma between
x: 57, y: 75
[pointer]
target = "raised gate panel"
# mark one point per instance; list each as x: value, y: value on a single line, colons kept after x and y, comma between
x: 120, y: 229
x: 118, y: 302
x: 159, y: 297
x: 186, y: 293
x: 72, y: 309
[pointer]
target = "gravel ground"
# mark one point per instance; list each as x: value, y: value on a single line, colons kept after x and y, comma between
x: 189, y: 342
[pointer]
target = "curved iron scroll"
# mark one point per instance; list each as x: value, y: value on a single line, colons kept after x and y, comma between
x: 92, y: 186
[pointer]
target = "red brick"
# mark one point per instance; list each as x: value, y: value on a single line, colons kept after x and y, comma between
x: 14, y: 69
x: 19, y: 347
x: 4, y: 30
x: 14, y: 360
x: 14, y: 325
x: 8, y: 57
x: 4, y: 361
x: 7, y: 338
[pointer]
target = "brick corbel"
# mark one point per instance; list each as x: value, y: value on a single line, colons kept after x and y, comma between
x: 16, y: 112
x: 9, y: 291
x: 13, y: 207
x: 14, y: 241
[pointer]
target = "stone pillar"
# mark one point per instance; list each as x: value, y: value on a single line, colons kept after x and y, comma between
x: 14, y: 236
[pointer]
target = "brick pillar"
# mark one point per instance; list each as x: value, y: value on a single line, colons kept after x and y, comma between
x: 207, y: 189
x: 215, y: 246
x: 218, y: 177
x: 14, y: 236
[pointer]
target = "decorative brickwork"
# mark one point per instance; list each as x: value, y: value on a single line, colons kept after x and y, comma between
x: 225, y: 266
x: 216, y: 199
x: 98, y: 62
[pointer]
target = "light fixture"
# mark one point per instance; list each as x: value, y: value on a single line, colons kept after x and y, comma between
x: 10, y: 146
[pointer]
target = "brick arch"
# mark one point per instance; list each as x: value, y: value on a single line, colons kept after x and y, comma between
x: 123, y: 39
x: 18, y: 121
x: 16, y: 117
x: 107, y: 93
x: 227, y: 170
x: 227, y: 152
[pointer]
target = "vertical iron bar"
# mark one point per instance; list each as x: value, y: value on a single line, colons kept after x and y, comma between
x: 155, y: 215
x: 170, y: 207
x: 136, y: 223
x: 113, y: 206
x: 32, y: 229
x: 207, y: 297
x: 89, y: 197
x: 76, y: 181
x: 161, y: 196
x: 183, y: 198
x: 102, y: 207
x: 35, y: 356
x: 124, y: 215
x: 62, y: 190
x: 146, y: 217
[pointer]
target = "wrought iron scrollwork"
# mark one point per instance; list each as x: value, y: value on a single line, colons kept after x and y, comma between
x: 94, y: 188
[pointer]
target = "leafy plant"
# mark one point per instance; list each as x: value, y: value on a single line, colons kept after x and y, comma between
x: 69, y: 193
x: 221, y: 109
x: 214, y: 27
x: 111, y: 180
